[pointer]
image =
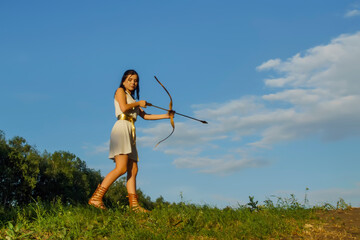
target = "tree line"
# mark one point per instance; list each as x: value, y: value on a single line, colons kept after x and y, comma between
x: 27, y: 175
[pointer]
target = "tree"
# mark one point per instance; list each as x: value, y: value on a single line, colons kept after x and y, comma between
x: 19, y: 163
x: 26, y: 175
x: 4, y: 174
x: 65, y: 176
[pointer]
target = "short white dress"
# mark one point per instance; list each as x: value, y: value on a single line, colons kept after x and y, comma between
x: 121, y: 138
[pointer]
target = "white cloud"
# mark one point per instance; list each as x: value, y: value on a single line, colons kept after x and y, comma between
x: 352, y: 13
x: 316, y: 93
x: 269, y: 64
x: 97, y: 149
x: 102, y: 148
x: 219, y: 166
x: 186, y: 135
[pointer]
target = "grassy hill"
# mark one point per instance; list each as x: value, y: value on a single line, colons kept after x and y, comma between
x: 286, y: 219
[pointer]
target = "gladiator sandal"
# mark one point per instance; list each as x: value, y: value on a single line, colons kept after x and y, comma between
x: 134, y: 204
x: 96, y: 198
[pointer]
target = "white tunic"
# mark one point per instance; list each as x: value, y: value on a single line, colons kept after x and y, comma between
x: 121, y: 139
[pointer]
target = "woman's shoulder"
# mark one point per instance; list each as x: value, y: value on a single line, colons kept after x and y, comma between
x: 119, y: 91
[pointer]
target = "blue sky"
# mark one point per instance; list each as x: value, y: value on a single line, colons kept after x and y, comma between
x: 278, y: 82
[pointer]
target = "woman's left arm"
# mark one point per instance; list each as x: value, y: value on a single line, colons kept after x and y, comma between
x: 146, y: 116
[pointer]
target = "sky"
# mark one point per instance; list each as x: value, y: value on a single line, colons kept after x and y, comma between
x: 277, y: 81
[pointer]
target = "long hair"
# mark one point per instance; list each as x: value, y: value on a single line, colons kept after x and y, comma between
x: 137, y: 90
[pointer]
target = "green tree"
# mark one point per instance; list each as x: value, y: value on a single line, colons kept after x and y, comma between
x: 26, y: 175
x: 65, y: 176
x: 19, y: 163
x: 4, y: 174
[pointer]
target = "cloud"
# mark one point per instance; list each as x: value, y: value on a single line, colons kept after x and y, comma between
x: 330, y: 68
x: 315, y: 93
x: 96, y: 149
x: 352, y: 13
x: 219, y: 166
x: 269, y: 64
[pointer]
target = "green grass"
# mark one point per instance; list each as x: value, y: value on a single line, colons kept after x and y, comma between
x: 171, y: 221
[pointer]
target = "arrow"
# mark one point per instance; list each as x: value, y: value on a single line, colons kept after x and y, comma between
x: 202, y: 121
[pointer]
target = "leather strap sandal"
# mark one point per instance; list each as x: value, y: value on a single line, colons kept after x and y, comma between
x: 134, y: 204
x: 96, y: 198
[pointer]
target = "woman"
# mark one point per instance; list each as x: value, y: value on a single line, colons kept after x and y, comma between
x: 123, y: 140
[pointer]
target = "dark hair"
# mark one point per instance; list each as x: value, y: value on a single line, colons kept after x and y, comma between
x: 137, y: 90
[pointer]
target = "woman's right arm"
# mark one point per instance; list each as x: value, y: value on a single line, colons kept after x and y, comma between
x: 120, y: 97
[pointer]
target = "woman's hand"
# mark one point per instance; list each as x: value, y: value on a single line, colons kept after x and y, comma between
x: 171, y: 113
x: 142, y: 103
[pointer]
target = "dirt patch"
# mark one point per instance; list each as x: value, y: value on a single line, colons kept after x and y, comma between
x: 334, y: 224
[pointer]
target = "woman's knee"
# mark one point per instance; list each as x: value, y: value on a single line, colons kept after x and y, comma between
x: 120, y: 170
x: 121, y: 164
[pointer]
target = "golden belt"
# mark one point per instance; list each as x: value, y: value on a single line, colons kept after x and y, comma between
x: 130, y: 119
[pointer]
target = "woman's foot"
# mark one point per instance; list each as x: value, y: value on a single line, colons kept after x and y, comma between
x: 96, y: 198
x: 134, y: 204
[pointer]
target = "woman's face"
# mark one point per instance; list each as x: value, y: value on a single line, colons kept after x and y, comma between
x: 131, y: 82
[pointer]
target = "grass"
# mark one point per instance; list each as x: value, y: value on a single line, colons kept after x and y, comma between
x: 40, y: 220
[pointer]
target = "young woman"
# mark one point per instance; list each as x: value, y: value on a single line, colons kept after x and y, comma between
x: 123, y: 140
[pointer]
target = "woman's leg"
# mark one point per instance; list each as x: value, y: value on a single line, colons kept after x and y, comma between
x: 132, y: 170
x: 120, y: 168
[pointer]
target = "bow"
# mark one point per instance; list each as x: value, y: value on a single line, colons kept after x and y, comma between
x: 170, y: 109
